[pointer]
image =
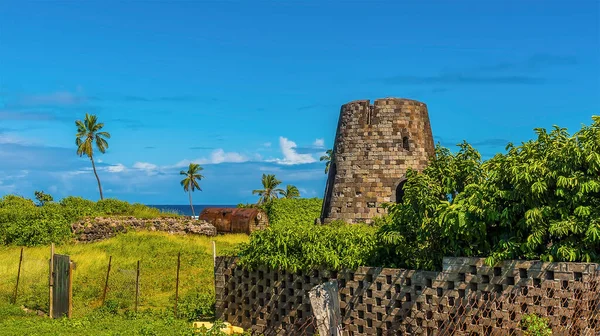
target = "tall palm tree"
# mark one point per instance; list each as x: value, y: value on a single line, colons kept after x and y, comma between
x: 190, y: 182
x: 270, y: 190
x: 327, y: 158
x: 88, y: 134
x: 290, y: 192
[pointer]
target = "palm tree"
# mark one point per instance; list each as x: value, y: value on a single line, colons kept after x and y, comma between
x: 88, y: 134
x: 190, y: 182
x: 269, y: 191
x: 290, y: 192
x: 327, y: 158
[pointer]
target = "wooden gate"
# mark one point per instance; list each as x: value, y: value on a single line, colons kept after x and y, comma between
x: 61, y: 286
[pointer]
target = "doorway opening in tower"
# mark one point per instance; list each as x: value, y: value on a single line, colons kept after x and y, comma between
x: 400, y: 192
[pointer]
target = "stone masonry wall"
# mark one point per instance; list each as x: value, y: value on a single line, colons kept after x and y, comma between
x: 374, y: 147
x: 466, y: 298
x: 99, y: 228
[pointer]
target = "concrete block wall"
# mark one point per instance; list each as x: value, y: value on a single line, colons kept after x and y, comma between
x: 466, y: 298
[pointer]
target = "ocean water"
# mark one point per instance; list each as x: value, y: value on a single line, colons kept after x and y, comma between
x: 186, y: 210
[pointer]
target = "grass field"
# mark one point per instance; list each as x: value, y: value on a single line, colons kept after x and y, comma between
x: 15, y: 322
x: 158, y: 255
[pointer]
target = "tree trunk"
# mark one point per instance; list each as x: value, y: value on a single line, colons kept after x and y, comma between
x: 97, y: 178
x: 191, y: 205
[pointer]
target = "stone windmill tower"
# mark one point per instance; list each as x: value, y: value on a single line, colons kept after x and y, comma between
x: 374, y: 147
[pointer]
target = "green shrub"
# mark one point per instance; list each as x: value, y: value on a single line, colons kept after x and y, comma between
x: 334, y: 246
x: 196, y: 305
x: 31, y: 226
x: 111, y: 206
x: 295, y: 211
x: 534, y: 325
x: 77, y: 207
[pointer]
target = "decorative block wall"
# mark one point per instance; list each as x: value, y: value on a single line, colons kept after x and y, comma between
x: 466, y: 298
x: 374, y: 147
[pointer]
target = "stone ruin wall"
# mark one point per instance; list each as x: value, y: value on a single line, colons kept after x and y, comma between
x: 100, y: 228
x: 374, y: 147
x: 466, y: 298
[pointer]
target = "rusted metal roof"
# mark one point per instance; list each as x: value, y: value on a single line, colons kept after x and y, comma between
x: 234, y: 220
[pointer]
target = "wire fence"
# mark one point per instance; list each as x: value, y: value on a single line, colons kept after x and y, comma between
x: 566, y: 311
x: 184, y: 285
x: 559, y: 311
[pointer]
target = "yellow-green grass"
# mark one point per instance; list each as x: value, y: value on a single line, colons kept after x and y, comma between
x: 157, y: 253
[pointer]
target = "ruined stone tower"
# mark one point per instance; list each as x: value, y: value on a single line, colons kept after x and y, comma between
x: 374, y: 147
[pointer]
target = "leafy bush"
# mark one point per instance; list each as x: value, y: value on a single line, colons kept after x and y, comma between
x: 196, y: 305
x: 294, y: 248
x: 294, y: 211
x: 534, y: 325
x: 111, y: 206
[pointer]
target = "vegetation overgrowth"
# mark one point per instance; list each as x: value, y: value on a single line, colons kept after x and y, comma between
x: 101, y: 322
x: 22, y: 222
x: 158, y: 255
x: 539, y: 200
x: 294, y: 248
x: 290, y: 211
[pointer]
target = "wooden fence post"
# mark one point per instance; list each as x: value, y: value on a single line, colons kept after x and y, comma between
x: 177, y: 282
x: 137, y: 286
x: 325, y: 303
x: 70, y: 307
x: 214, y: 252
x: 18, y: 277
x: 51, y: 281
x: 106, y: 283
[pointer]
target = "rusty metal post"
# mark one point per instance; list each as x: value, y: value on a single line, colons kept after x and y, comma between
x: 177, y: 282
x: 18, y: 277
x: 106, y: 283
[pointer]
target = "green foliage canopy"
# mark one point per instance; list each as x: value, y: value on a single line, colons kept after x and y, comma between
x: 540, y: 200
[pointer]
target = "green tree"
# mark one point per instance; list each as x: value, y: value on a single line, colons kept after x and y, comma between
x: 88, y: 134
x: 327, y: 158
x: 43, y: 198
x: 190, y: 182
x: 539, y: 200
x: 269, y: 191
x: 290, y: 192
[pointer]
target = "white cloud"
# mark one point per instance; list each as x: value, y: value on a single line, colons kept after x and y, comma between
x: 149, y: 168
x: 145, y: 166
x: 267, y: 144
x: 118, y: 168
x: 216, y: 157
x: 290, y: 156
x: 319, y: 143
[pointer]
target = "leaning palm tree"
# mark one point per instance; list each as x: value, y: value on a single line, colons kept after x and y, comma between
x: 290, y: 192
x: 327, y: 158
x: 269, y: 191
x: 190, y: 182
x: 88, y: 134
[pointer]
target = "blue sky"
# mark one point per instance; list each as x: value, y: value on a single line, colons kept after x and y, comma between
x: 252, y: 87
